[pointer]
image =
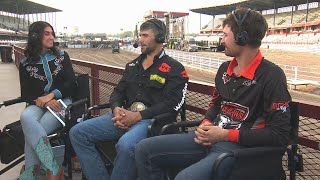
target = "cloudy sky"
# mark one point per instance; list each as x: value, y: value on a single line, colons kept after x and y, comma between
x: 100, y: 16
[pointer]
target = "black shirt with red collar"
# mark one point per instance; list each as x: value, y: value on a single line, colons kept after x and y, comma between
x: 253, y: 105
x: 162, y: 87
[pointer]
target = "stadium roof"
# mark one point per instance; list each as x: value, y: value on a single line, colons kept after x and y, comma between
x: 160, y: 14
x: 258, y: 5
x: 25, y: 7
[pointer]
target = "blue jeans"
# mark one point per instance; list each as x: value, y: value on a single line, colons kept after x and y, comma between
x: 37, y: 122
x: 86, y: 134
x: 156, y: 154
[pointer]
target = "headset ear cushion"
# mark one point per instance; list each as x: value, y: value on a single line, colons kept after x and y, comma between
x: 242, y: 38
x: 34, y: 36
x: 160, y: 38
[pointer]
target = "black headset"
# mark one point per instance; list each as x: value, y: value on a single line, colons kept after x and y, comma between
x: 34, y: 36
x: 160, y: 37
x: 242, y: 37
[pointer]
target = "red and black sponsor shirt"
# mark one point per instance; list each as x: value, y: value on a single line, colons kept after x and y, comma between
x: 162, y: 87
x: 253, y: 105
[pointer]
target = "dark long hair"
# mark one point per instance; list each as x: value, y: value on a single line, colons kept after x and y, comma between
x: 34, y: 45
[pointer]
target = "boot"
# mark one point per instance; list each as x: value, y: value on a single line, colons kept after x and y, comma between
x: 46, y: 156
x: 59, y: 176
x: 29, y: 174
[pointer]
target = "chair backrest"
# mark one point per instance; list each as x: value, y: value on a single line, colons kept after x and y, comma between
x: 247, y: 159
x: 82, y: 92
x: 294, y: 122
x: 83, y: 88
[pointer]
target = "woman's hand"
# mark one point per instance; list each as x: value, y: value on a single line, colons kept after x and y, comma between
x: 54, y: 104
x: 41, y: 101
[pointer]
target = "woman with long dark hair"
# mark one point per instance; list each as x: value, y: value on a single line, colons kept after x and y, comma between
x: 46, y: 75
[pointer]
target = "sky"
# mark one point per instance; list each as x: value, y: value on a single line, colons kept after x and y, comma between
x: 101, y: 16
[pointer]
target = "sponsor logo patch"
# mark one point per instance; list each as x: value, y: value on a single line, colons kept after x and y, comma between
x: 225, y: 78
x: 184, y: 74
x: 236, y: 112
x: 249, y: 82
x: 232, y: 115
x: 280, y: 106
x: 164, y: 67
x: 184, y: 92
x: 133, y: 64
x: 156, y: 77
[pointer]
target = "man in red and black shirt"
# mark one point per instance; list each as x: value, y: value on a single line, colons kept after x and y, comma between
x: 249, y: 108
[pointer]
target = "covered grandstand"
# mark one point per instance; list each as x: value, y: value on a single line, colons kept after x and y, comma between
x: 16, y: 16
x: 290, y: 21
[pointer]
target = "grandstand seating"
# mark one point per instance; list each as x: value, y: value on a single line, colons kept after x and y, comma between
x: 208, y: 26
x: 296, y: 35
x: 11, y: 23
x: 295, y: 38
x: 284, y: 19
x: 6, y: 31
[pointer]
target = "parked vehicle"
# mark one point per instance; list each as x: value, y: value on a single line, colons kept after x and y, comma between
x: 116, y: 47
x: 189, y: 44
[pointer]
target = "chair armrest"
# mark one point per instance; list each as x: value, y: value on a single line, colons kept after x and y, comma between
x: 95, y: 107
x: 157, y: 122
x: 252, y: 163
x: 181, y: 124
x: 99, y: 106
x: 68, y: 111
x: 77, y: 103
x: 11, y: 102
x: 74, y: 104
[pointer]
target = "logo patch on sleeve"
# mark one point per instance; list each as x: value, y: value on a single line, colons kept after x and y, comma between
x: 164, y: 67
x: 280, y: 106
x: 184, y: 74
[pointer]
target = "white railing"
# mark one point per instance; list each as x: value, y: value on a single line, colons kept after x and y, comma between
x: 310, y: 75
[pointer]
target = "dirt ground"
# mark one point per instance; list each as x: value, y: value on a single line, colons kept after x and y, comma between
x: 307, y: 93
x: 285, y: 57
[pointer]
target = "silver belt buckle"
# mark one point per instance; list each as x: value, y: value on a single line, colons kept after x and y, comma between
x: 137, y: 106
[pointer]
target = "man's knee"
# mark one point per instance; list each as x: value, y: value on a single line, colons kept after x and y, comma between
x: 191, y: 175
x: 126, y: 147
x: 141, y: 148
x: 184, y: 174
x: 76, y: 133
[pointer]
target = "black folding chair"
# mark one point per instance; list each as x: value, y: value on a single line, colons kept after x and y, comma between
x: 263, y: 163
x: 107, y: 148
x: 12, y: 137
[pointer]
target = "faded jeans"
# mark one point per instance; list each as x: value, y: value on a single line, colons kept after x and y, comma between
x: 37, y: 122
x: 157, y: 154
x: 86, y: 134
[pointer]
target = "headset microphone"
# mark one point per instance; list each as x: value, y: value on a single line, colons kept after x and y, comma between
x: 221, y: 48
x: 135, y: 45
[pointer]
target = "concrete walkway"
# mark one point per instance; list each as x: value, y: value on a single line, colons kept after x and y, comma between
x: 10, y: 89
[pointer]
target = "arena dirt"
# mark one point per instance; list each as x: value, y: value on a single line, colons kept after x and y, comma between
x: 307, y: 93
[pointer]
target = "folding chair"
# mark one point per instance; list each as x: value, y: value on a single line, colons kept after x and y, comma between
x: 107, y: 149
x: 263, y: 163
x: 13, y: 132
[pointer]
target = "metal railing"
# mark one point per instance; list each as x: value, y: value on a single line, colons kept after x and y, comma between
x: 310, y: 75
